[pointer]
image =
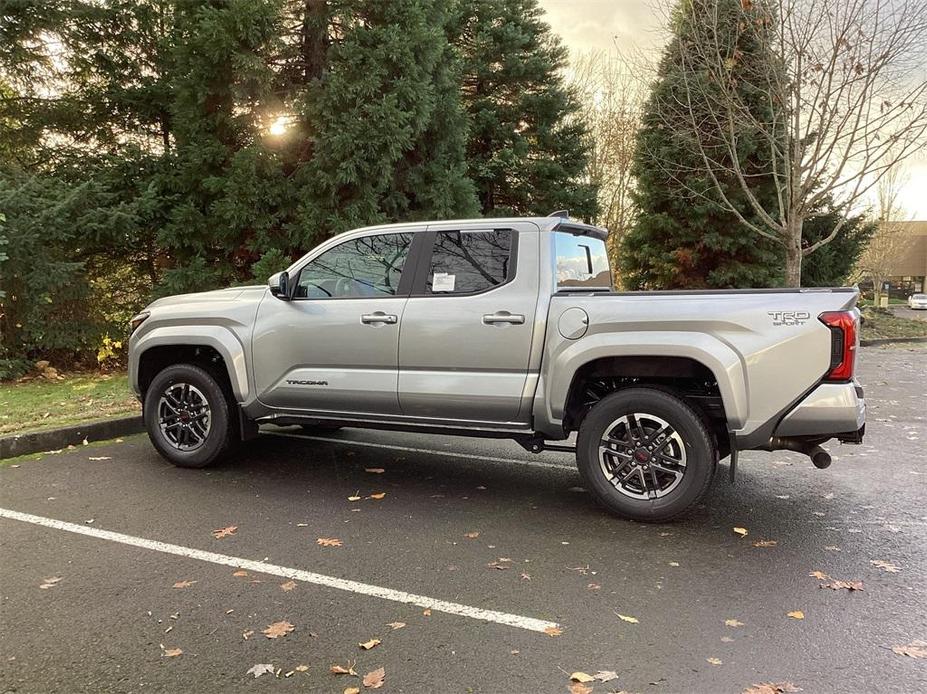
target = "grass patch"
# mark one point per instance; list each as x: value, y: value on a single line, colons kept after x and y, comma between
x: 43, y: 404
x: 880, y: 323
x: 90, y: 449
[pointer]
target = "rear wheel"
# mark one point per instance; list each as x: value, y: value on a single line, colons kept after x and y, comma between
x: 645, y: 454
x: 187, y: 416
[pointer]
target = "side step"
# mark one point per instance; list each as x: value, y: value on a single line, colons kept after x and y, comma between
x: 536, y: 444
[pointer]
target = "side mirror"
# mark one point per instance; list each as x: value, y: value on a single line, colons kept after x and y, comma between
x: 279, y: 285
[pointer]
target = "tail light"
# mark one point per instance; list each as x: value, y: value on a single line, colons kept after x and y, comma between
x: 844, y: 331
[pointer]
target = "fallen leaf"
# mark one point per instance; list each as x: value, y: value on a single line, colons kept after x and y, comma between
x: 553, y: 631
x: 847, y: 585
x: 396, y: 625
x: 593, y: 586
x: 329, y: 542
x: 277, y: 629
x: 525, y: 576
x: 426, y: 612
x: 765, y: 543
x: 374, y: 679
x: 473, y: 534
x: 579, y: 688
x: 224, y: 532
x: 820, y: 575
x: 260, y: 669
x: 741, y: 531
x: 354, y: 497
x: 833, y: 548
x: 796, y: 614
x: 375, y: 470
x: 625, y: 618
x: 581, y: 677
x: 713, y: 661
x: 351, y: 690
x: 378, y: 495
x: 915, y: 649
x: 367, y: 645
x: 247, y: 634
x: 302, y: 668
x: 342, y: 670
x: 101, y: 457
x: 772, y: 688
x: 170, y: 652
x: 727, y: 639
x: 50, y: 582
x: 240, y: 573
x: 732, y: 623
x: 886, y: 566
x: 605, y: 675
x: 288, y: 586
x: 497, y: 565
x: 183, y: 584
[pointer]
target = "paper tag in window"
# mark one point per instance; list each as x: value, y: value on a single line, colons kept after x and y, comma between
x: 443, y: 282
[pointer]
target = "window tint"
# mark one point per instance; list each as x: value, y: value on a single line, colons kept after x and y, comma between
x: 470, y: 261
x: 368, y: 266
x: 582, y: 261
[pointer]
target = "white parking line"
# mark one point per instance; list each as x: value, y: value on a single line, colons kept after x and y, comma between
x: 512, y: 620
x: 431, y: 451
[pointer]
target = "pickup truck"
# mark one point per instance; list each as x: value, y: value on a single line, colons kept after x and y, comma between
x: 505, y: 328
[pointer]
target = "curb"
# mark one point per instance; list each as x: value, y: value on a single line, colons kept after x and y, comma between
x: 52, y: 439
x: 890, y: 341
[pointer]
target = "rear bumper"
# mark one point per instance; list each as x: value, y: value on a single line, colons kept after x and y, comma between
x: 829, y: 410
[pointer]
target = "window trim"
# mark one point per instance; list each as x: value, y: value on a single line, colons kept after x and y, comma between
x: 403, y: 289
x: 611, y: 274
x: 421, y: 274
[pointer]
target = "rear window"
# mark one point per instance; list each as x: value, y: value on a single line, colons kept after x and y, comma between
x: 582, y: 262
x: 465, y: 262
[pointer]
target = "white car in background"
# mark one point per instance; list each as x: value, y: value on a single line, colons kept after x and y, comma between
x: 917, y: 301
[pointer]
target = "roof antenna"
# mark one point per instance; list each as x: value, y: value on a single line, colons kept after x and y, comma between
x: 563, y: 214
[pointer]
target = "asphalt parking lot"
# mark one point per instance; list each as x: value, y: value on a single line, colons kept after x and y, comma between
x: 505, y: 575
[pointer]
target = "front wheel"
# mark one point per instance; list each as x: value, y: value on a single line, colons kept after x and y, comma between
x: 645, y: 455
x: 187, y: 416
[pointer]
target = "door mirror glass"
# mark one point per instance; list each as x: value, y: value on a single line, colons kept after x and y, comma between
x: 279, y: 285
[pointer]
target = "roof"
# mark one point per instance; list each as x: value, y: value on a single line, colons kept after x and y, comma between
x: 571, y: 226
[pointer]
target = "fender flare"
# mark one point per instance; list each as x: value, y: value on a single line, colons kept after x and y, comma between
x: 218, y: 337
x: 726, y: 365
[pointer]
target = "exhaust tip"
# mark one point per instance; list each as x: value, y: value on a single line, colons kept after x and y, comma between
x: 820, y: 458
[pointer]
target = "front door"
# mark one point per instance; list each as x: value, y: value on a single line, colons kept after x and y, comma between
x: 467, y: 328
x: 334, y: 346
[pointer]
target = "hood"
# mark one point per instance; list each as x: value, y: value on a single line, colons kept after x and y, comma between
x: 217, y: 295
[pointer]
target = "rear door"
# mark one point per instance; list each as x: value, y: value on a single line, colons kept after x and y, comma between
x: 334, y: 347
x: 467, y: 328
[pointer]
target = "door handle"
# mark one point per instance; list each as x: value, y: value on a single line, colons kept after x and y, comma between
x: 379, y: 317
x: 503, y: 317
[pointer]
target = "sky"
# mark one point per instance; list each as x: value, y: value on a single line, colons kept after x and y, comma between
x: 636, y: 27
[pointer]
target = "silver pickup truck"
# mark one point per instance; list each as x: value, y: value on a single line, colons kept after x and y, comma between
x: 505, y: 328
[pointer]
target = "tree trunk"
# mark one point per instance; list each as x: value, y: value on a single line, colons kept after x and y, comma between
x: 793, y: 255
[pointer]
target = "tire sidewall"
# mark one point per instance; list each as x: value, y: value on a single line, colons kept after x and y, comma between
x: 219, y: 430
x: 700, y: 456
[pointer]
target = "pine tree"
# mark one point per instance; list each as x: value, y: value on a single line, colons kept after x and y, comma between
x: 526, y: 152
x: 682, y: 238
x: 384, y: 121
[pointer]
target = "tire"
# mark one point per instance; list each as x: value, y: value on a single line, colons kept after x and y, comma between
x: 617, y: 477
x: 207, y: 437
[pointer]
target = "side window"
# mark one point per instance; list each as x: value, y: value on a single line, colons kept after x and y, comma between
x: 582, y: 261
x: 369, y: 266
x: 463, y: 262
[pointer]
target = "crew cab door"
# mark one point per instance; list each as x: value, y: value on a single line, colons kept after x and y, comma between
x: 333, y: 347
x: 467, y: 328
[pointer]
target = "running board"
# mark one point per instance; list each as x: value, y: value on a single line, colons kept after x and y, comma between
x: 535, y: 444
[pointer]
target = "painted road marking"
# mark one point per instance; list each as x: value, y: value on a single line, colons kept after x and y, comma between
x: 512, y: 620
x: 431, y: 451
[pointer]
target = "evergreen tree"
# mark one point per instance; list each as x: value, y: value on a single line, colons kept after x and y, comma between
x: 526, y: 152
x: 384, y: 120
x: 831, y: 265
x: 682, y: 238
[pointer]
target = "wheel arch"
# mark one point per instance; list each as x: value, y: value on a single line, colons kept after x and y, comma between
x: 210, y: 346
x: 666, y: 361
